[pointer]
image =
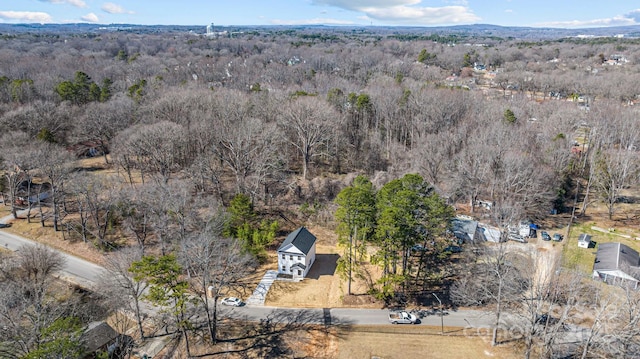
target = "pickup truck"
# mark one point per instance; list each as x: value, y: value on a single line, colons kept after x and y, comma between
x: 402, y: 317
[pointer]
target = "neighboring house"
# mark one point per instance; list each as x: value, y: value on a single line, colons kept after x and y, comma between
x: 617, y: 263
x: 297, y: 253
x: 465, y: 229
x: 98, y: 336
x: 489, y: 233
x: 479, y: 66
x: 88, y: 149
x: 584, y: 241
x: 528, y: 229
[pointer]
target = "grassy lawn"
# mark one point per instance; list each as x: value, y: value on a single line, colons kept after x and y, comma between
x: 582, y: 259
x: 417, y: 342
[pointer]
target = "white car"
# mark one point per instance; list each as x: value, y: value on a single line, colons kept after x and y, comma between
x: 516, y: 237
x: 232, y: 301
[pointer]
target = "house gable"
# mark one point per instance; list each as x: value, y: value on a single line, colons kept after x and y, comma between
x: 290, y: 248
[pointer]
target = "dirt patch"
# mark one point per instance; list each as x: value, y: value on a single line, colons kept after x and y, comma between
x: 323, y: 287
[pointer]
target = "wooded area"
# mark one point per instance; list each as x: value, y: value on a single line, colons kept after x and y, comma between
x: 216, y: 146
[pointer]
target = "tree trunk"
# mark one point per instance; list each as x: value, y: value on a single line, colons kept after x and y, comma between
x: 29, y: 200
x: 305, y: 164
x: 494, y: 337
x: 41, y: 214
x: 138, y: 316
x: 186, y: 342
x: 350, y: 261
x: 213, y: 328
x: 55, y: 208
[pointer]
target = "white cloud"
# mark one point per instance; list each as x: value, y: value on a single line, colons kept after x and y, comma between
x: 358, y: 5
x: 90, y: 17
x: 508, y: 11
x: 630, y: 18
x: 316, y: 21
x: 112, y: 8
x: 423, y: 15
x: 406, y: 11
x: 26, y: 16
x: 77, y: 3
x: 633, y: 14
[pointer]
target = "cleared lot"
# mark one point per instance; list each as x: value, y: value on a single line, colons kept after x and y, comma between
x: 417, y: 342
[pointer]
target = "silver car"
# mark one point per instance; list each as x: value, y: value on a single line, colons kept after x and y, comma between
x: 516, y: 237
x: 232, y: 301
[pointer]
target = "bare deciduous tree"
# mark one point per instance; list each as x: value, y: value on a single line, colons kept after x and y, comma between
x: 121, y: 289
x: 307, y: 121
x: 216, y: 265
x: 26, y: 303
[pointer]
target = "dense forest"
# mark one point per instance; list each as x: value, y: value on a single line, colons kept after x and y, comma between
x: 253, y: 133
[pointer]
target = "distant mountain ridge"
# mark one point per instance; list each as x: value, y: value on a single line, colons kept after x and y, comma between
x: 475, y: 30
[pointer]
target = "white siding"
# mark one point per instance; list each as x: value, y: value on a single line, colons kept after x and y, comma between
x: 289, y: 260
x: 311, y: 257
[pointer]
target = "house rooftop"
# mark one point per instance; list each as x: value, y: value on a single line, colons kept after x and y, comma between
x: 585, y: 238
x: 301, y: 238
x: 464, y: 229
x: 97, y: 335
x: 612, y: 256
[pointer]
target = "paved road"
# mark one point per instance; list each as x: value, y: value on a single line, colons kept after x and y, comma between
x: 76, y: 269
x: 351, y: 316
x: 85, y: 273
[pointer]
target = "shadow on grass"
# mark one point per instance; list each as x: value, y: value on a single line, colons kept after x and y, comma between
x: 281, y: 334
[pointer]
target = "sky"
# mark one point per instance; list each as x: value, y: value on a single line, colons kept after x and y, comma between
x: 535, y: 13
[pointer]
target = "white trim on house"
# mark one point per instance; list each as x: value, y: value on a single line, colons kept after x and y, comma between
x: 292, y: 259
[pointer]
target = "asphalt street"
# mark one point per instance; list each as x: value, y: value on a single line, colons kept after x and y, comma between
x: 87, y: 274
x: 355, y: 316
x: 75, y: 270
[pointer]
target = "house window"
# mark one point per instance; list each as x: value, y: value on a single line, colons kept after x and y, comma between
x: 299, y: 258
x: 284, y: 268
x: 291, y: 257
x: 283, y: 256
x: 299, y: 272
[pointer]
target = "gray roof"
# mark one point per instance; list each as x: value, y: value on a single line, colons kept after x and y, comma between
x: 301, y: 238
x: 585, y: 238
x: 464, y: 229
x: 299, y: 265
x: 612, y: 256
x: 97, y: 335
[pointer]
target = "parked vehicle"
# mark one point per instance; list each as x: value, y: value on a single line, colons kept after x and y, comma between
x: 516, y: 237
x: 557, y: 237
x: 232, y: 301
x: 545, y: 319
x: 545, y: 236
x: 453, y: 249
x: 402, y: 317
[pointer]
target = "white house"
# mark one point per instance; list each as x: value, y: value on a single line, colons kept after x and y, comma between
x: 297, y: 253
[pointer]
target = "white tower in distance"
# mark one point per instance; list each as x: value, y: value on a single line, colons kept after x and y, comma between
x: 210, y: 29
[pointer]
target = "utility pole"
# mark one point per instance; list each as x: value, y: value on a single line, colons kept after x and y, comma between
x: 441, y: 315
